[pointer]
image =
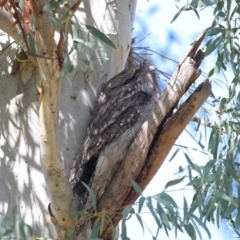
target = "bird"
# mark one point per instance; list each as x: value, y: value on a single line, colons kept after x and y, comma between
x: 124, y: 104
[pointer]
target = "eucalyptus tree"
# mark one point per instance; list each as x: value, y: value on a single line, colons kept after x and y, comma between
x: 56, y: 61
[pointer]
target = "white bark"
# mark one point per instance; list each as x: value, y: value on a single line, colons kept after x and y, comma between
x: 22, y: 183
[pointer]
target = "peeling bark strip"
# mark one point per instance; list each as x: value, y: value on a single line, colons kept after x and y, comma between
x: 135, y: 165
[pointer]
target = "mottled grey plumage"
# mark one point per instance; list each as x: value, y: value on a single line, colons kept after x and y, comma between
x: 123, y: 105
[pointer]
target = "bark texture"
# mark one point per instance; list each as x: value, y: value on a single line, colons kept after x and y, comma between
x: 155, y: 139
x: 22, y: 183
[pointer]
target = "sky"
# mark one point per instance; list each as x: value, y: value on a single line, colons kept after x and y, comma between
x: 153, y: 19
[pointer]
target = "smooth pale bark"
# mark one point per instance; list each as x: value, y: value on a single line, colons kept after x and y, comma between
x: 22, y: 183
x: 8, y: 25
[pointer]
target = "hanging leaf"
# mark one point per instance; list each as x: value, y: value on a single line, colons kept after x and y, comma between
x: 101, y: 36
x: 136, y: 187
x: 95, y: 230
x: 69, y: 233
x: 140, y: 221
x: 140, y: 203
x: 92, y: 194
x: 190, y: 231
x: 174, y: 182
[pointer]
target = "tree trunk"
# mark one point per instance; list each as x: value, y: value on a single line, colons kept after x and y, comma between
x: 45, y: 113
x: 24, y: 93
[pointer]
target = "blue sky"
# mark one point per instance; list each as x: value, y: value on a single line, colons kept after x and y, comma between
x: 153, y: 17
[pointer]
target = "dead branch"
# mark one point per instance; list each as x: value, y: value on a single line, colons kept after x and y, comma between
x: 135, y: 166
x: 170, y: 132
x: 193, y: 48
x: 164, y: 143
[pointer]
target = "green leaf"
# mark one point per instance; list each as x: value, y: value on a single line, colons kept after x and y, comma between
x: 102, y: 222
x: 95, y: 230
x: 54, y: 21
x: 76, y: 214
x: 214, y: 143
x: 136, y: 187
x: 140, y: 204
x: 69, y: 233
x: 86, y: 62
x: 237, y: 222
x: 85, y: 43
x: 212, y: 45
x: 193, y: 165
x: 174, y: 182
x: 46, y: 8
x: 166, y: 199
x: 163, y: 216
x: 190, y: 231
x: 185, y: 210
x: 150, y: 207
x: 200, y: 223
x: 195, y: 227
x: 213, y: 31
x: 174, y: 154
x: 102, y: 50
x: 210, y: 208
x: 127, y: 212
x: 6, y: 226
x: 124, y: 229
x: 229, y: 210
x: 32, y: 44
x: 207, y: 168
x: 225, y: 197
x: 196, y: 12
x: 93, y: 196
x: 113, y: 230
x: 101, y: 36
x: 67, y: 68
x: 140, y: 221
x: 195, y: 3
x: 177, y: 14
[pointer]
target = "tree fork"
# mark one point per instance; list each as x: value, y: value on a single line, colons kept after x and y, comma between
x: 136, y: 166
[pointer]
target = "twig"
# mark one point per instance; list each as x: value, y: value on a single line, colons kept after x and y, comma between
x: 206, y: 123
x: 20, y: 25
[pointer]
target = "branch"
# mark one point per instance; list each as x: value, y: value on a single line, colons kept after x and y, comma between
x: 7, y: 24
x: 170, y: 132
x: 207, y: 123
x: 162, y: 146
x: 193, y: 48
x: 120, y: 193
x: 76, y: 5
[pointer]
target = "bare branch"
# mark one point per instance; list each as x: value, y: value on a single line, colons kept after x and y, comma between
x: 76, y: 5
x: 193, y: 48
x: 7, y: 24
x: 161, y: 147
x: 171, y: 131
x: 19, y: 24
x: 120, y: 193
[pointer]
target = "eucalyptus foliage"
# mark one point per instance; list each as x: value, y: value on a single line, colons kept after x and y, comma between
x: 216, y: 184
